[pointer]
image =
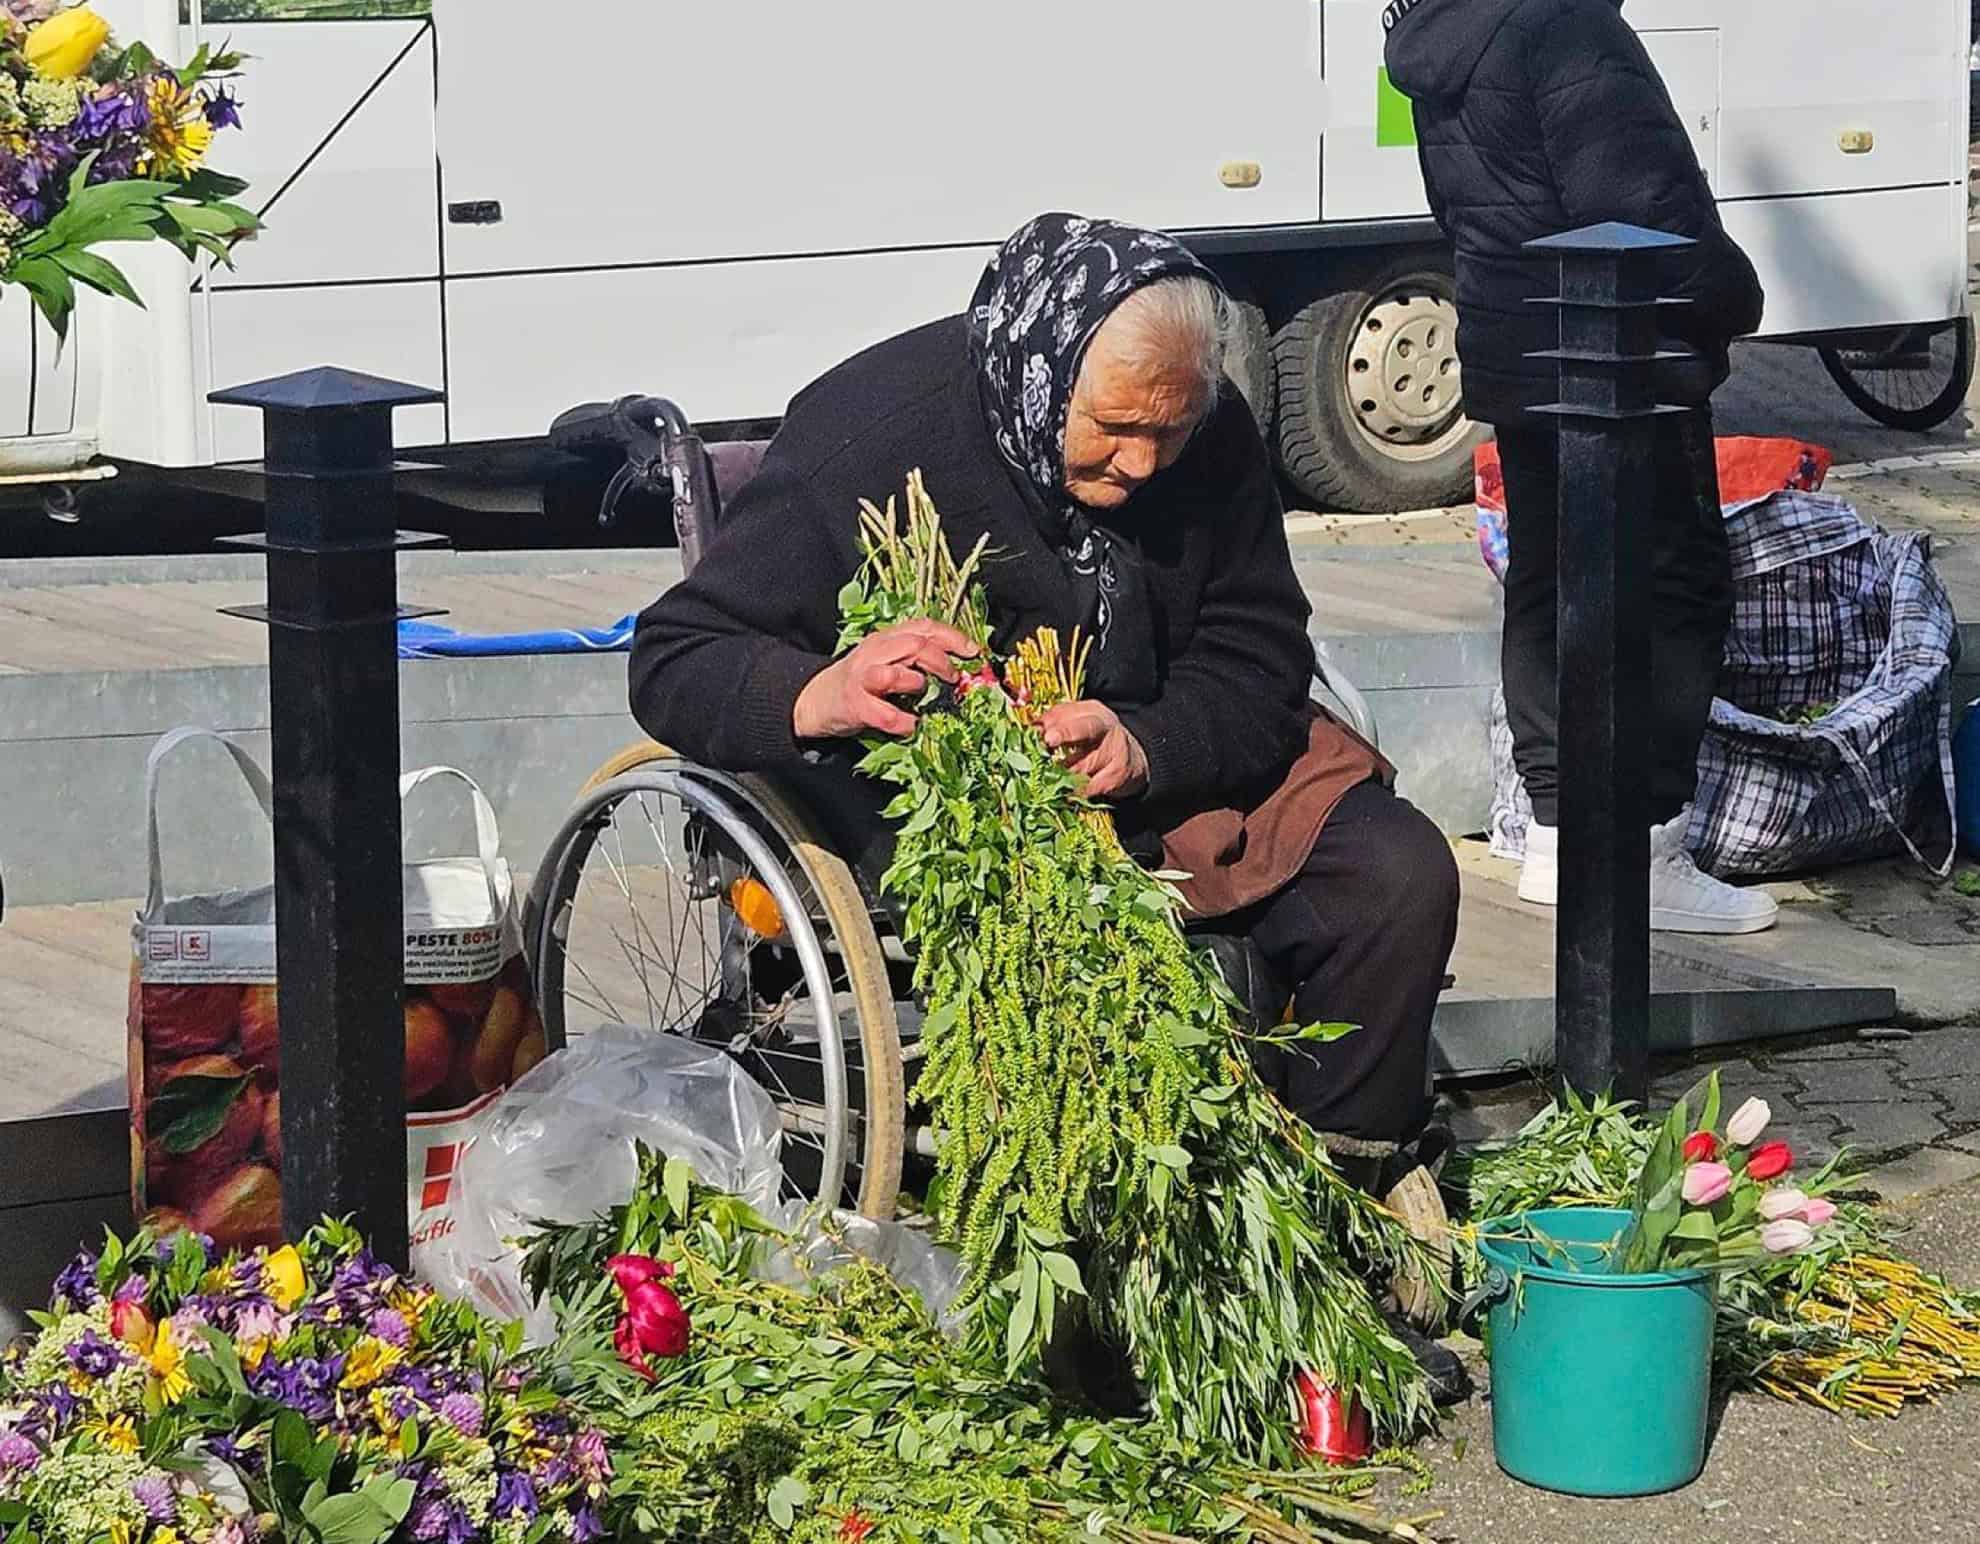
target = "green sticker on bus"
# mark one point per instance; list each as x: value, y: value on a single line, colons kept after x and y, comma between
x: 1395, y: 119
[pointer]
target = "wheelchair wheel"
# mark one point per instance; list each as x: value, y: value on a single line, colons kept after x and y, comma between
x: 702, y: 904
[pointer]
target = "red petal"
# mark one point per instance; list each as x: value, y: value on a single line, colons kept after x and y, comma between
x: 1332, y: 1430
x: 626, y: 1343
x: 658, y: 1319
x: 632, y: 1270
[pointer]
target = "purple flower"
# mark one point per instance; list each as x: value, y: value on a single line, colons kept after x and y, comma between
x: 463, y: 1413
x: 307, y: 1385
x: 132, y: 1289
x: 554, y: 1475
x: 230, y: 1451
x: 586, y: 1526
x: 58, y: 1405
x: 93, y: 1356
x: 593, y: 1461
x: 76, y: 1287
x: 17, y: 1453
x: 223, y: 110
x: 515, y: 1496
x: 389, y: 1325
x: 153, y: 1492
x: 446, y: 1521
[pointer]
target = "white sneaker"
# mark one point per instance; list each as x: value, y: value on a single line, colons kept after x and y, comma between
x: 1540, y: 875
x: 1685, y: 899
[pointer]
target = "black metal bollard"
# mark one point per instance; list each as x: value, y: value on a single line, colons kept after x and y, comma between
x: 333, y: 690
x: 1608, y: 351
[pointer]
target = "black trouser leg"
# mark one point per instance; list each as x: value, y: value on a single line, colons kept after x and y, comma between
x: 1364, y: 933
x: 1692, y: 602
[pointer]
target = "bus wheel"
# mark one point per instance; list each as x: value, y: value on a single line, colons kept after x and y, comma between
x: 1248, y: 363
x: 1371, y: 409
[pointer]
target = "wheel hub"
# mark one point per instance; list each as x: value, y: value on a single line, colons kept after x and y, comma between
x: 1402, y: 369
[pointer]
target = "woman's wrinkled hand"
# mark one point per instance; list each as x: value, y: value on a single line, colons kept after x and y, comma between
x: 1090, y: 739
x: 851, y: 695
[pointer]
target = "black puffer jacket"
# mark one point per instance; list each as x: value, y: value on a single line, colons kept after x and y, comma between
x: 1535, y: 117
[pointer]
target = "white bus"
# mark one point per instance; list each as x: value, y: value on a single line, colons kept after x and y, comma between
x: 534, y: 206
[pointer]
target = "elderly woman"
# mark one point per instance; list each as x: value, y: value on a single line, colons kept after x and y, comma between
x: 1077, y: 415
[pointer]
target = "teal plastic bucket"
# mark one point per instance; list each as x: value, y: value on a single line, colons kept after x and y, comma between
x: 1600, y: 1384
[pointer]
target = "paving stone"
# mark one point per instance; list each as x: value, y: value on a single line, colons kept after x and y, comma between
x: 1864, y: 1081
x: 1877, y: 1128
x: 1929, y: 929
x: 1969, y: 1143
x: 1840, y: 1050
x: 1939, y: 1053
x: 1928, y: 1169
x: 1960, y: 1096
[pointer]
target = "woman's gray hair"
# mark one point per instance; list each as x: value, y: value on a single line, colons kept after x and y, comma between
x: 1183, y: 319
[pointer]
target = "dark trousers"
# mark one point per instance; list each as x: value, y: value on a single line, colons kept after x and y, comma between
x: 1362, y: 936
x: 1692, y: 596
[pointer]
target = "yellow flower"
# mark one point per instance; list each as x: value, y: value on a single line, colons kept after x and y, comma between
x: 66, y: 45
x: 381, y: 1413
x: 120, y: 1531
x: 177, y: 138
x: 118, y: 1433
x: 165, y: 1536
x: 285, y: 1277
x: 168, y: 1365
x: 370, y: 1359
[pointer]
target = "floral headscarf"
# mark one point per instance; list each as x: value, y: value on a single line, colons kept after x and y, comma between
x: 1040, y: 302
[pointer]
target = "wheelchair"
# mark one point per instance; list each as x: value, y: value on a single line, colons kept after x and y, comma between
x: 705, y: 904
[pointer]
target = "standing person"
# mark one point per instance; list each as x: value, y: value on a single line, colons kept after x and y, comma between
x: 1536, y: 117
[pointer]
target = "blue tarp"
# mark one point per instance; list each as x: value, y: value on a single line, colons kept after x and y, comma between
x: 431, y: 640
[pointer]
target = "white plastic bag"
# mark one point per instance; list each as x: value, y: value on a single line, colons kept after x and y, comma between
x: 934, y: 1274
x: 560, y: 1147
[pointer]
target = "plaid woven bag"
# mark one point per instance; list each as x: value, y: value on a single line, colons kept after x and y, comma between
x: 1831, y: 739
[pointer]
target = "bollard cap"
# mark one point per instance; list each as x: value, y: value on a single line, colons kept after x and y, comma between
x: 1610, y: 236
x: 325, y: 389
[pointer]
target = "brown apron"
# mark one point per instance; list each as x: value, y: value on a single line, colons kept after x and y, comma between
x: 1237, y: 858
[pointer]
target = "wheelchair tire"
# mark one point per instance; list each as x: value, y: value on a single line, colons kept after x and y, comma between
x: 837, y: 916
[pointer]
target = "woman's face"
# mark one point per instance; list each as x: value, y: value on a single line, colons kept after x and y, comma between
x: 1126, y: 423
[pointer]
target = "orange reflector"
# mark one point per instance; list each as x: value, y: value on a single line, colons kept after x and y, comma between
x: 751, y: 900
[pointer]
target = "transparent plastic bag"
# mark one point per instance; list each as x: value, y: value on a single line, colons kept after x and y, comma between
x: 934, y: 1274
x: 559, y: 1147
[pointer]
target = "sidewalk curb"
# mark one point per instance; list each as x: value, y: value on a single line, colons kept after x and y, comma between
x: 1924, y: 1172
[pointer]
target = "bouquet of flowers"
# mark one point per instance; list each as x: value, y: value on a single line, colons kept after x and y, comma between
x: 1718, y: 1198
x: 99, y: 144
x: 175, y: 1396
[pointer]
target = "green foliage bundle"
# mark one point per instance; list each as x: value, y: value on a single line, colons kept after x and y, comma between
x: 1848, y: 1325
x: 831, y: 1407
x: 1103, y: 1144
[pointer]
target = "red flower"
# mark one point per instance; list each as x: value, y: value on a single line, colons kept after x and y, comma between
x: 658, y: 1319
x: 654, y: 1323
x: 634, y: 1270
x: 1701, y: 1147
x: 855, y: 1527
x: 1334, y: 1430
x: 1770, y: 1160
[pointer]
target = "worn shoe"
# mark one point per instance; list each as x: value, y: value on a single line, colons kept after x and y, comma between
x: 1685, y: 899
x: 1443, y: 1369
x: 1540, y: 875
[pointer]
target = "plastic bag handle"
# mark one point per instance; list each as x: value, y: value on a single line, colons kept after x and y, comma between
x: 487, y: 835
x: 251, y: 773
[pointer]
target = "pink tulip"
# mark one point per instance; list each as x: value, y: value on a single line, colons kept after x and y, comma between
x: 1782, y: 1201
x: 1817, y: 1212
x: 1790, y: 1235
x: 1747, y: 1122
x: 1705, y: 1183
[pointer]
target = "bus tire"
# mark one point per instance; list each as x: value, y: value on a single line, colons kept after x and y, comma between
x: 1248, y: 363
x: 1370, y: 404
